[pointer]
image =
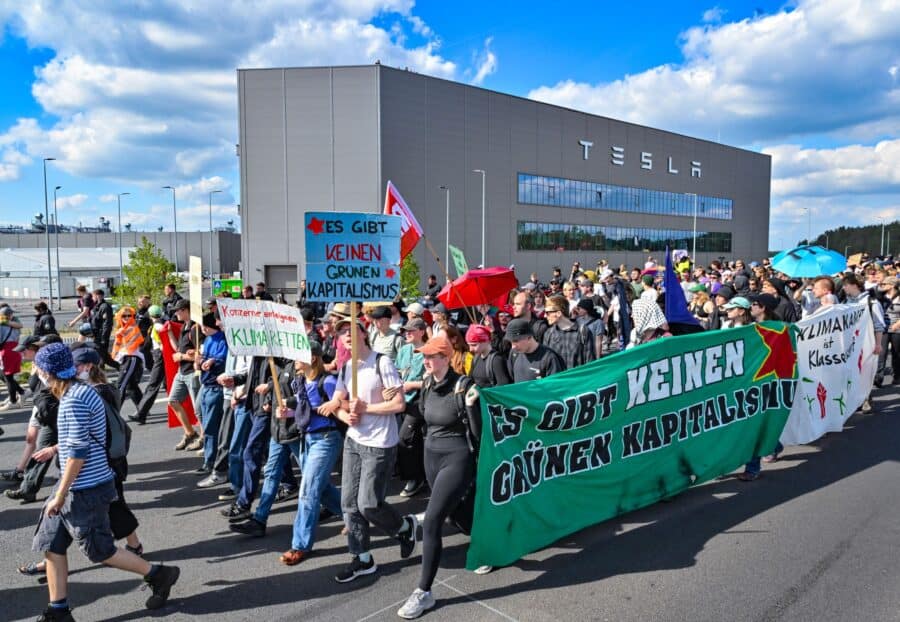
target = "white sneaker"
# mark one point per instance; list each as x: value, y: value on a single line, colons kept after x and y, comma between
x: 211, y: 480
x: 483, y: 570
x: 417, y: 604
x: 5, y: 405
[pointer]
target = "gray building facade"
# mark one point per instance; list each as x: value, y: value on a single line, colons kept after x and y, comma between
x: 226, y: 245
x: 559, y: 185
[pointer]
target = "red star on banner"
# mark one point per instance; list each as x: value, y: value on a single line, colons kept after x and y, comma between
x: 859, y: 362
x: 315, y: 225
x: 781, y: 359
x: 389, y: 273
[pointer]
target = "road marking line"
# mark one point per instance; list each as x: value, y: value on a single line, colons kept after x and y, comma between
x: 382, y: 610
x: 474, y: 600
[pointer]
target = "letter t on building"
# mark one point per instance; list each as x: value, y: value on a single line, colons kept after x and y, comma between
x: 587, y: 148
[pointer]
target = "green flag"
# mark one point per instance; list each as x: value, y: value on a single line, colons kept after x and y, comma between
x: 459, y: 260
x: 568, y: 451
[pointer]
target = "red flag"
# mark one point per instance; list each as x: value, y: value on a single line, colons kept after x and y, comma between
x: 394, y: 205
x: 171, y: 367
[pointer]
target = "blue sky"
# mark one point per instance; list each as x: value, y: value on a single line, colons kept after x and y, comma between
x: 131, y: 97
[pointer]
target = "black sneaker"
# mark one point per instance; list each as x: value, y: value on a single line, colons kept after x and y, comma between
x: 251, y: 527
x: 227, y: 495
x: 19, y: 495
x: 52, y: 614
x: 161, y: 583
x: 235, y: 513
x: 408, y: 538
x: 355, y: 569
x: 137, y: 420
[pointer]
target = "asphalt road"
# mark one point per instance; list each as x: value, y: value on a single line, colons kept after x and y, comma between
x: 816, y: 538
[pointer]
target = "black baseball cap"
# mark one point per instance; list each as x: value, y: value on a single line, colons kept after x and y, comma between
x: 765, y: 300
x: 184, y: 303
x: 518, y: 329
x: 381, y: 313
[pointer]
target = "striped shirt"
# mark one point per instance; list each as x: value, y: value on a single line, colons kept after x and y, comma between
x: 82, y: 435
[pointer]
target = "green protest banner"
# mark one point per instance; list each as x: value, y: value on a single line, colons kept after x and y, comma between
x: 568, y: 451
x: 459, y: 260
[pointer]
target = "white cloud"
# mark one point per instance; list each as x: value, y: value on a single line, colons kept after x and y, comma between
x: 822, y: 67
x: 73, y: 200
x: 713, y: 15
x: 487, y: 63
x: 855, y: 169
x: 146, y: 94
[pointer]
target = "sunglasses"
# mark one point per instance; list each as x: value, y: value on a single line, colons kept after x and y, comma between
x: 127, y: 316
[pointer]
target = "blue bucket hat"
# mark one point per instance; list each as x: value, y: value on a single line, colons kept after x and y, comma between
x: 56, y: 359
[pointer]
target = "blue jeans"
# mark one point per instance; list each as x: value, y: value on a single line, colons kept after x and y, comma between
x: 257, y: 442
x: 755, y: 466
x: 279, y: 458
x: 320, y: 452
x: 238, y: 442
x: 211, y: 408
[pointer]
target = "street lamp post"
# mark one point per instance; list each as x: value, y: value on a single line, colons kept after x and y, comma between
x: 447, y: 230
x: 56, y: 233
x: 119, y: 208
x: 847, y: 248
x: 483, y: 179
x: 212, y: 192
x: 47, y: 231
x: 882, y: 237
x: 694, y: 240
x: 175, y: 222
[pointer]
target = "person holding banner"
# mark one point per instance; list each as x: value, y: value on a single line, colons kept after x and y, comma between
x: 856, y: 292
x: 370, y: 450
x: 321, y: 447
x: 211, y: 363
x: 286, y: 431
x: 448, y: 404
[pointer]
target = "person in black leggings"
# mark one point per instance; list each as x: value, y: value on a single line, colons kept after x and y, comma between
x: 449, y: 460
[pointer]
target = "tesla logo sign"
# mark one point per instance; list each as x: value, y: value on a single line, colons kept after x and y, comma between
x: 617, y: 158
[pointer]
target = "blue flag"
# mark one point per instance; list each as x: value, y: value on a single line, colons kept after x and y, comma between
x: 676, y: 305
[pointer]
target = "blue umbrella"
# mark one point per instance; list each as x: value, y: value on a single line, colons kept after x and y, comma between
x: 809, y: 261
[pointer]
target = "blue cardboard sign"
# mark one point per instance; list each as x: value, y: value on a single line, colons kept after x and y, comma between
x: 352, y: 256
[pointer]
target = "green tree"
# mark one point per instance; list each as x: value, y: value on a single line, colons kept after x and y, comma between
x: 146, y: 272
x: 410, y: 278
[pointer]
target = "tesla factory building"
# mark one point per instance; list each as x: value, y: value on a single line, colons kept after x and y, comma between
x: 559, y: 185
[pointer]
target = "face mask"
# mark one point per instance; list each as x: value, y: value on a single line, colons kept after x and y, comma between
x: 84, y: 375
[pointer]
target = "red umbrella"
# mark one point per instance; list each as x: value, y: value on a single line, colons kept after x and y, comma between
x: 478, y: 287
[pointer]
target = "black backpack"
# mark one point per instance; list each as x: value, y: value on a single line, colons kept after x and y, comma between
x: 462, y: 386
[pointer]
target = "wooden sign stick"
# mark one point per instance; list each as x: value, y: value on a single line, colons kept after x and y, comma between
x: 354, y: 349
x: 275, y: 384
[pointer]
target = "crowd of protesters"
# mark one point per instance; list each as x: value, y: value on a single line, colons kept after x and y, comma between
x: 412, y: 414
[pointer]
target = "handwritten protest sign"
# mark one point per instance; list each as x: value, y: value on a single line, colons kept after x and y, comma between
x: 352, y: 256
x: 263, y: 328
x: 836, y: 363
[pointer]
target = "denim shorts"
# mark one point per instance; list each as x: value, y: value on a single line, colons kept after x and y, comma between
x: 181, y: 388
x: 84, y: 519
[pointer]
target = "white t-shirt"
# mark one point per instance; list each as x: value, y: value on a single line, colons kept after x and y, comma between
x: 372, y: 430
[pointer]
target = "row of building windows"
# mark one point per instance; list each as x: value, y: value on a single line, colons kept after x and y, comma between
x: 560, y: 192
x: 545, y: 236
